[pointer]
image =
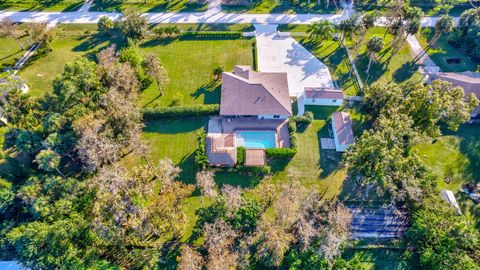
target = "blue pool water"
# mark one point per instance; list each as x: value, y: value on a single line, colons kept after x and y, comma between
x: 256, y: 139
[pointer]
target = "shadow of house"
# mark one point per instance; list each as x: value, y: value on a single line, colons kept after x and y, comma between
x: 330, y: 160
x: 210, y: 93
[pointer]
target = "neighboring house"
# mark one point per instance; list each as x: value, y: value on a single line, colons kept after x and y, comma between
x: 246, y: 93
x: 322, y: 96
x: 469, y: 81
x: 342, y: 131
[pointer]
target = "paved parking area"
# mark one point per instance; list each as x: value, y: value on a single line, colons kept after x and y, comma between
x: 282, y: 53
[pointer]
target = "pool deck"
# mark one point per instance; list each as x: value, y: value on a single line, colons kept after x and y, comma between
x: 221, y: 149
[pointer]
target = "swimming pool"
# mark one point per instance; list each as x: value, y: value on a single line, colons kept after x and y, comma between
x: 256, y: 139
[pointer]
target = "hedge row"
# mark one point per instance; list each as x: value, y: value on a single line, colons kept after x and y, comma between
x: 292, y: 129
x: 180, y: 111
x: 201, y: 158
x: 280, y: 153
x: 212, y: 35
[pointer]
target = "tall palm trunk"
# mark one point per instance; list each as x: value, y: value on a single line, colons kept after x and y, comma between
x: 370, y: 62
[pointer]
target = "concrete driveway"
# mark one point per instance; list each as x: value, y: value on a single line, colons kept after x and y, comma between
x: 282, y: 53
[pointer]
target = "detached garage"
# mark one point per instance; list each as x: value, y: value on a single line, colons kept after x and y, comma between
x: 342, y: 131
x: 323, y: 96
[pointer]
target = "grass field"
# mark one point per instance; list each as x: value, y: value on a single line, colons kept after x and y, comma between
x: 379, y: 258
x: 335, y: 58
x: 10, y: 52
x: 282, y: 6
x: 443, y: 50
x: 45, y: 5
x: 149, y: 6
x: 190, y: 65
x: 455, y: 158
x: 386, y: 69
x: 41, y: 70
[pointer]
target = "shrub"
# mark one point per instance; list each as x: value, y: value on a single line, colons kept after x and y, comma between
x: 131, y: 55
x: 169, y: 31
x: 212, y: 35
x: 280, y: 153
x: 259, y: 170
x: 292, y: 129
x: 180, y: 111
x: 240, y: 156
x: 305, y: 119
x: 177, y: 100
x: 105, y: 25
x: 201, y: 158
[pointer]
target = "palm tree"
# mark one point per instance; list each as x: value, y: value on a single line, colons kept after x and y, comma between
x: 444, y: 25
x: 48, y: 160
x: 321, y: 30
x: 217, y: 73
x: 374, y: 46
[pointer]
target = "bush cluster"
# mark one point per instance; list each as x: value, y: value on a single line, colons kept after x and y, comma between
x: 201, y: 158
x: 169, y: 31
x: 212, y: 35
x: 180, y: 111
x: 292, y: 129
x: 305, y: 119
x: 281, y: 153
x: 240, y: 156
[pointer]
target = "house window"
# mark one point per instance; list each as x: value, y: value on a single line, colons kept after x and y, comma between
x: 313, y: 100
x: 276, y: 116
x: 334, y: 101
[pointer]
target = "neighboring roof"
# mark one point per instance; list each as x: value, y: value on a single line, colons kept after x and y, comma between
x: 246, y: 92
x: 323, y: 93
x: 469, y: 81
x: 343, y: 127
x: 255, y: 157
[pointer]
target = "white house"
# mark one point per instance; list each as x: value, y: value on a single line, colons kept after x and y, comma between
x: 342, y: 131
x: 323, y: 96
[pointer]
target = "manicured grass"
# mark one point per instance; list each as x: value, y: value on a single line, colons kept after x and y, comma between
x: 46, y: 5
x: 149, y: 6
x: 190, y: 65
x: 397, y: 69
x: 282, y: 6
x: 428, y: 8
x: 10, y: 52
x: 42, y: 69
x: 242, y: 27
x: 175, y: 139
x: 443, y: 50
x: 335, y: 57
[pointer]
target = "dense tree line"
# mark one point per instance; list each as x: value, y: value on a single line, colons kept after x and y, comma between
x: 466, y: 35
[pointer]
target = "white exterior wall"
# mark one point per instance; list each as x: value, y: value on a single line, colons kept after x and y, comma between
x: 338, y: 147
x: 323, y: 102
x: 270, y: 116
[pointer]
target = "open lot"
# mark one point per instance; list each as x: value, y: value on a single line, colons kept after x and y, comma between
x: 149, y: 6
x: 45, y: 5
x: 190, y: 78
x: 442, y: 52
x: 398, y: 68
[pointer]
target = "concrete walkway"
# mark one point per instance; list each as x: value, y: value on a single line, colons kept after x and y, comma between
x: 420, y: 54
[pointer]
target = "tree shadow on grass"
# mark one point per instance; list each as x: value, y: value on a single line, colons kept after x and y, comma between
x: 158, y: 42
x: 330, y: 160
x: 405, y: 72
x: 376, y: 70
x: 210, y: 92
x: 189, y: 169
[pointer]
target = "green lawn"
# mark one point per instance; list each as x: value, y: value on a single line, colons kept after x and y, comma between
x: 386, y: 69
x: 190, y: 65
x: 335, y: 58
x: 455, y: 157
x: 379, y: 258
x: 42, y: 69
x: 428, y: 7
x: 149, y: 6
x: 443, y: 50
x: 282, y: 6
x: 46, y: 5
x: 10, y: 52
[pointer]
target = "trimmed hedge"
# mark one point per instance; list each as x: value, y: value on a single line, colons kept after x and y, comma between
x: 305, y: 119
x: 201, y: 158
x: 240, y: 156
x: 180, y: 111
x: 280, y: 153
x: 212, y: 35
x: 292, y: 129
